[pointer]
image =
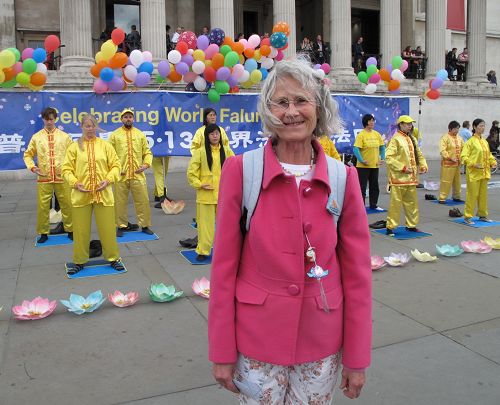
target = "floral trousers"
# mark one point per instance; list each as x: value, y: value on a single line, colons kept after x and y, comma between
x: 308, y: 383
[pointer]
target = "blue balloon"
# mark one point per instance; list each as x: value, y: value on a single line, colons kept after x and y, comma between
x: 264, y: 73
x: 216, y: 36
x: 106, y: 74
x: 145, y: 67
x: 250, y: 65
x: 39, y: 55
x: 278, y: 40
x: 442, y: 74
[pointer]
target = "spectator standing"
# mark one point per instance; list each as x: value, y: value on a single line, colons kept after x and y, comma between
x: 175, y: 37
x: 358, y: 54
x: 463, y: 60
x: 169, y: 40
x: 205, y: 31
x: 319, y: 50
x: 465, y: 131
x: 133, y: 39
x: 493, y: 137
x: 451, y: 63
x: 306, y: 48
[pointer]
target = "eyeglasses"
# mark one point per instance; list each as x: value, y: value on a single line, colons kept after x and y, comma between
x: 283, y: 104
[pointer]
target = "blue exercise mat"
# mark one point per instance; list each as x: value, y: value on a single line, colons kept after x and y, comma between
x: 55, y: 240
x: 400, y: 233
x: 449, y: 203
x: 373, y: 211
x: 477, y: 223
x: 190, y: 256
x: 193, y: 225
x: 94, y: 268
x: 135, y: 236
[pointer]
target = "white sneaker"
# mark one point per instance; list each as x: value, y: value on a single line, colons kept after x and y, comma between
x: 379, y: 209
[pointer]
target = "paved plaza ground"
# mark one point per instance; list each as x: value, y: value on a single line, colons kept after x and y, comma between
x: 436, y: 326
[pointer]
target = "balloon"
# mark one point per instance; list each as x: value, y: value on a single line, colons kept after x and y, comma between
x: 436, y: 83
x: 189, y: 38
x: 189, y: 77
x: 325, y: 67
x: 146, y: 67
x: 118, y: 72
x: 225, y: 49
x: 238, y: 70
x: 238, y: 47
x: 265, y: 50
x: 9, y: 74
x: 217, y: 61
x: 108, y: 49
x: 374, y: 79
x: 389, y: 67
x: 221, y: 87
x: 371, y: 70
x: 433, y: 94
x: 8, y: 84
x: 23, y: 78
x: 209, y: 74
x: 274, y: 53
x: 370, y: 88
x: 200, y: 84
x: 199, y: 55
x: 182, y: 68
x: 371, y: 61
x: 256, y: 76
x: 249, y: 52
x: 7, y: 58
x: 117, y: 36
x: 136, y: 57
x: 363, y: 77
x: 396, y: 74
x: 26, y: 54
x: 278, y: 40
x: 18, y: 67
x: 182, y: 47
x: 99, y: 57
x: 163, y: 68
x: 118, y: 60
x: 222, y: 73
x: 267, y: 63
x: 130, y: 72
x: 96, y: 69
x: 203, y: 42
x: 254, y: 41
x: 280, y: 55
x: 404, y: 66
x: 216, y: 36
x: 232, y: 81
x: 174, y: 56
x: 442, y: 74
x: 142, y: 79
x: 2, y: 76
x: 396, y: 62
x: 100, y: 87
x: 148, y: 56
x: 187, y: 59
x: 198, y: 67
x: 16, y: 53
x: 174, y: 76
x: 213, y: 96
x: 231, y: 59
x: 106, y: 74
x: 29, y: 66
x: 211, y: 50
x: 282, y: 26
x: 39, y: 55
x: 264, y: 73
x: 52, y: 42
x: 247, y: 84
x: 393, y: 85
x: 384, y: 75
x: 116, y: 84
x: 245, y: 77
x: 250, y: 65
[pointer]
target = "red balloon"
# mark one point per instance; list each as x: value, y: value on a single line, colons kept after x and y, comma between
x: 189, y: 38
x: 433, y: 94
x: 117, y: 36
x: 182, y: 47
x: 209, y: 74
x: 52, y: 42
x: 265, y: 41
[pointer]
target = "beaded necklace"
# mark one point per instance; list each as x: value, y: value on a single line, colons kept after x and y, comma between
x: 298, y: 174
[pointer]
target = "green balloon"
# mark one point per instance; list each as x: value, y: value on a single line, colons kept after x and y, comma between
x: 160, y: 79
x: 221, y: 87
x: 16, y: 52
x: 396, y: 62
x: 213, y: 96
x: 231, y: 59
x: 225, y: 49
x: 363, y: 77
x: 29, y: 66
x: 9, y: 84
x: 371, y: 70
x: 23, y: 78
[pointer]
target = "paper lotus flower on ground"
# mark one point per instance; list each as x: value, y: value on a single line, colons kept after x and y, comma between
x: 431, y: 185
x: 449, y: 250
x: 80, y: 305
x: 494, y: 243
x: 471, y: 246
x: 172, y: 207
x: 377, y: 262
x: 37, y: 309
x: 123, y: 300
x: 397, y: 259
x: 201, y: 287
x: 163, y: 293
x: 423, y: 256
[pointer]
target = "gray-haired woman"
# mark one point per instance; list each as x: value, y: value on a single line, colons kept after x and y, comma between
x: 289, y: 299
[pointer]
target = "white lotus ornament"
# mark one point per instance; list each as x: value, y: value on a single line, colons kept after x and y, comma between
x: 397, y: 259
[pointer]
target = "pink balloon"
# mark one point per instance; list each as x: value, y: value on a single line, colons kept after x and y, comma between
x: 374, y: 78
x: 18, y: 67
x: 280, y: 55
x: 148, y: 56
x: 325, y: 67
x: 404, y: 65
x: 211, y: 50
x: 100, y: 86
x: 244, y: 42
x: 189, y: 77
x: 27, y: 53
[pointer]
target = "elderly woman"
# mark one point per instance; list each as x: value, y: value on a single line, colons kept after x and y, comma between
x: 289, y: 299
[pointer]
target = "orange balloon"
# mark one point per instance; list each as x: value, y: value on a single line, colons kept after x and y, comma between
x: 394, y: 85
x: 10, y: 73
x: 217, y: 61
x: 118, y: 60
x: 238, y: 48
x: 96, y: 69
x: 38, y: 79
x: 265, y: 50
x: 227, y: 41
x: 249, y: 52
x: 384, y: 75
x: 282, y: 27
x: 174, y: 76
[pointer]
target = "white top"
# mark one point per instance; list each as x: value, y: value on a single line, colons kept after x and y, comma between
x: 299, y: 171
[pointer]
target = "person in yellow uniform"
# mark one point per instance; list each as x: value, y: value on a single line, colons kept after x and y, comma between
x: 450, y: 148
x: 329, y: 147
x: 203, y: 175
x: 478, y: 160
x: 404, y: 162
x: 160, y: 170
x: 369, y: 149
x: 49, y: 147
x: 90, y: 167
x: 135, y: 157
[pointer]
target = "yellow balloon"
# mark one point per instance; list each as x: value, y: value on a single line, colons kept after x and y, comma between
x: 247, y: 84
x: 255, y: 76
x: 100, y: 57
x: 257, y: 55
x: 208, y: 62
x: 108, y: 49
x: 34, y: 88
x: 2, y: 76
x: 7, y: 58
x: 199, y: 55
x: 242, y: 59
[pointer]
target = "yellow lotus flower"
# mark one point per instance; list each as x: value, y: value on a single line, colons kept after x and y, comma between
x: 423, y: 256
x: 494, y: 243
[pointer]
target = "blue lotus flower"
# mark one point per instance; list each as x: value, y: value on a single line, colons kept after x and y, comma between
x: 449, y: 250
x: 80, y: 305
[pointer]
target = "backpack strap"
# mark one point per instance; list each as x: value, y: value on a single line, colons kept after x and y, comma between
x: 253, y: 170
x: 337, y: 177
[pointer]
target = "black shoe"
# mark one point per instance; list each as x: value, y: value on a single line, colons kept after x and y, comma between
x: 430, y: 197
x: 158, y: 198
x: 131, y: 227
x: 379, y: 224
x: 189, y: 242
x: 70, y: 235
x: 412, y: 229
x: 117, y: 265
x: 119, y: 232
x: 75, y: 269
x: 458, y: 200
x: 147, y: 231
x: 389, y: 232
x: 158, y: 205
x: 58, y: 229
x: 420, y: 185
x: 441, y: 202
x: 201, y: 258
x: 43, y: 238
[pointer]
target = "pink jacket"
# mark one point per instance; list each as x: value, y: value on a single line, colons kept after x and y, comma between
x: 262, y: 303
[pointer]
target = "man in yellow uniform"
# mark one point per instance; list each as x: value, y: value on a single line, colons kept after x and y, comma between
x: 135, y: 157
x: 404, y: 161
x: 160, y: 170
x: 49, y: 147
x: 450, y: 148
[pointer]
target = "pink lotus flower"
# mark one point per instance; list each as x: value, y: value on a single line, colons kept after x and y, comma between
x: 377, y: 262
x: 123, y: 300
x: 201, y: 287
x: 37, y: 309
x: 475, y: 247
x: 397, y: 259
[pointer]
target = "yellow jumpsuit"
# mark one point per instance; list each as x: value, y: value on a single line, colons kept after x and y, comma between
x: 50, y: 149
x: 199, y: 138
x: 477, y: 151
x: 133, y: 151
x: 92, y: 165
x: 160, y: 186
x: 450, y: 147
x: 198, y: 174
x: 329, y: 147
x: 399, y: 155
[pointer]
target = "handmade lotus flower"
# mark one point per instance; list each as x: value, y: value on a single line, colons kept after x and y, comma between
x: 123, y: 300
x: 423, y: 256
x: 172, y: 207
x: 494, y: 243
x: 31, y: 310
x: 471, y: 246
x: 378, y: 262
x: 431, y: 185
x: 80, y: 305
x: 201, y: 287
x: 163, y: 293
x: 55, y: 216
x: 397, y: 259
x: 449, y: 250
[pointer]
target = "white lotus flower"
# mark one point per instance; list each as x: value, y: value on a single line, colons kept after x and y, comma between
x: 397, y: 259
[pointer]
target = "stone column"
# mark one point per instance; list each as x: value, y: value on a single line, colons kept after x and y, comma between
x: 284, y: 10
x: 407, y: 24
x: 153, y: 33
x: 326, y: 21
x: 185, y: 16
x: 340, y: 38
x: 435, y: 36
x: 222, y: 16
x: 390, y: 30
x: 238, y: 17
x: 76, y: 35
x: 7, y: 25
x: 476, y: 40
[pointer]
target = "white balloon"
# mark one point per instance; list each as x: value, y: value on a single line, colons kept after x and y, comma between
x: 41, y: 67
x: 320, y: 73
x: 274, y: 53
x: 198, y: 67
x: 245, y: 76
x: 136, y: 57
x: 396, y: 74
x: 268, y: 63
x: 148, y: 56
x: 238, y: 70
x: 244, y: 42
x: 174, y: 56
x: 131, y: 72
x: 200, y: 83
x: 254, y: 41
x: 190, y: 51
x: 370, y: 88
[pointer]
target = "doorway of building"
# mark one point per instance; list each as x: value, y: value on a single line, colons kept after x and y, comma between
x: 366, y: 24
x: 250, y: 23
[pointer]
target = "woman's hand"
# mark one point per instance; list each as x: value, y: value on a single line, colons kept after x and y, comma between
x: 478, y: 166
x: 81, y: 187
x: 102, y: 185
x: 207, y: 187
x: 141, y: 169
x: 352, y: 383
x: 38, y: 172
x: 423, y: 169
x: 223, y: 374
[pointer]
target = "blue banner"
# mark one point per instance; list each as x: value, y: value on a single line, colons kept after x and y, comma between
x: 169, y: 119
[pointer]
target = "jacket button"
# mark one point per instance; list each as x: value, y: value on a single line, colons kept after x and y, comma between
x: 307, y: 227
x: 293, y: 289
x: 307, y: 191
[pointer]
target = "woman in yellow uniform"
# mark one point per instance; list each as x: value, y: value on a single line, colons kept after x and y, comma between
x: 91, y: 165
x: 329, y: 147
x: 476, y: 156
x: 204, y: 175
x: 404, y: 162
x: 450, y: 147
x: 209, y: 117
